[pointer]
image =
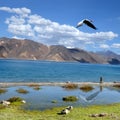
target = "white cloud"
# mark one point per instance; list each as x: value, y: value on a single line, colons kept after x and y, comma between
x: 5, y: 9
x: 104, y: 46
x: 21, y: 11
x: 116, y: 45
x: 32, y: 26
x: 38, y: 20
x: 15, y: 20
x: 23, y: 30
x: 103, y: 35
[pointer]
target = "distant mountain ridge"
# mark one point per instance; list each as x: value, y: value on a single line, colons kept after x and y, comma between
x: 28, y: 49
x: 109, y: 54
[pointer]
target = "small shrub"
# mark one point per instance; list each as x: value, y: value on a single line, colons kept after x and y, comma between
x: 3, y: 91
x: 70, y: 98
x: 70, y: 86
x: 117, y: 86
x: 23, y: 91
x: 86, y: 88
x: 15, y: 99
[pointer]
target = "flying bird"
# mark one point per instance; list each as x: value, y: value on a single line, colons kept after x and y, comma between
x: 87, y: 22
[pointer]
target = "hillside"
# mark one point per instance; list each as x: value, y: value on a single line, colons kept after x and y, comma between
x: 28, y: 49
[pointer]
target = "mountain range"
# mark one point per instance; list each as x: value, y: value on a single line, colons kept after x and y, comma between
x: 27, y: 49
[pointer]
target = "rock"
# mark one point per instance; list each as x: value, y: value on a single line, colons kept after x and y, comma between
x: 23, y: 101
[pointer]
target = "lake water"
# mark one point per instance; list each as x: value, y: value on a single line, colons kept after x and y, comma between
x: 45, y: 71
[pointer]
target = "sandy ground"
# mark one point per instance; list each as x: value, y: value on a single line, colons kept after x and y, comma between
x: 6, y: 84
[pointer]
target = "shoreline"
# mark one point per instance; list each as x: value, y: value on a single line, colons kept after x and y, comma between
x: 8, y: 84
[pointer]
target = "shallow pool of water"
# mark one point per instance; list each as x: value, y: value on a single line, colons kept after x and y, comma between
x: 42, y: 99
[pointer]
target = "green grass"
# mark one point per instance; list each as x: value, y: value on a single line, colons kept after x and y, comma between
x: 14, y: 112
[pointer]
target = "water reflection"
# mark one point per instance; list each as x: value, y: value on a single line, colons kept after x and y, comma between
x: 92, y: 96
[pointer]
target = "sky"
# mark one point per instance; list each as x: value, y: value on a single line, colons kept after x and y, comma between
x: 53, y: 22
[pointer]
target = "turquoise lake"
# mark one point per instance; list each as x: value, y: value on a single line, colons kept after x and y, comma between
x: 48, y: 71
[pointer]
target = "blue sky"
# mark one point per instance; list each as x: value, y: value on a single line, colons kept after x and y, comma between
x: 53, y: 22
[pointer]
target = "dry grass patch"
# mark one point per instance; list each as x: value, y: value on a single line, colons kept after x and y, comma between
x: 86, y: 88
x: 117, y: 86
x: 70, y: 86
x: 22, y: 91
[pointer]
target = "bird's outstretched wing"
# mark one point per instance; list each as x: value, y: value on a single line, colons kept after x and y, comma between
x: 79, y: 24
x: 87, y: 22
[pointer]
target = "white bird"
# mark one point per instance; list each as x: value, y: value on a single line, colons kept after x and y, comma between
x: 87, y: 22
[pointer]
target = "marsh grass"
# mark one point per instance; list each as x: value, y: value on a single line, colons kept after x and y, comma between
x: 86, y: 88
x: 3, y: 90
x: 70, y: 86
x: 15, y: 99
x: 70, y: 98
x: 22, y: 91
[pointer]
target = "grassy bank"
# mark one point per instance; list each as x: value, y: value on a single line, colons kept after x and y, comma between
x: 14, y: 112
